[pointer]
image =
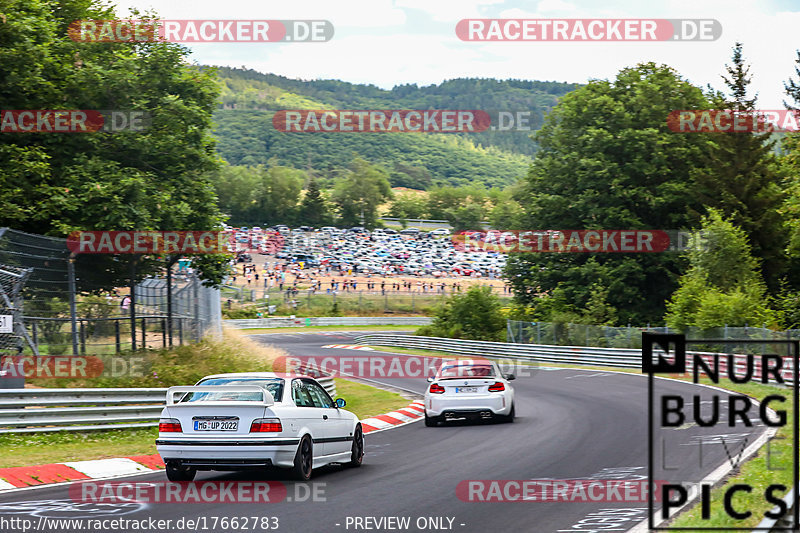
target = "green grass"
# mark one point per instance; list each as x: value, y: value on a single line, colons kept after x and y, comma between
x: 180, y: 365
x: 366, y: 401
x: 43, y: 448
x: 347, y: 304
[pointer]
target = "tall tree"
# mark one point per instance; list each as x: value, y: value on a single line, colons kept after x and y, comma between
x: 608, y: 161
x: 54, y: 183
x: 741, y: 176
x: 313, y: 209
x: 723, y: 285
x: 791, y: 184
x: 359, y: 194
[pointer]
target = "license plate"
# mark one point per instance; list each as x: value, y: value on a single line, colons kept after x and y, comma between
x: 466, y: 389
x: 216, y: 425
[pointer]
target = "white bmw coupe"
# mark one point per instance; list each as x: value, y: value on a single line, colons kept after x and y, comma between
x: 256, y: 420
x: 469, y: 389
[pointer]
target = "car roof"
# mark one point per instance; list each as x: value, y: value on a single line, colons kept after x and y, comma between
x: 466, y: 362
x: 246, y: 375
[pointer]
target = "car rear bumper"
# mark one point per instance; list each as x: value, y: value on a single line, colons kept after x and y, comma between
x: 221, y: 464
x: 230, y: 454
x: 497, y: 405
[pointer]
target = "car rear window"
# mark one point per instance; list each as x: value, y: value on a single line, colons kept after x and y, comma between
x: 466, y: 371
x: 274, y: 386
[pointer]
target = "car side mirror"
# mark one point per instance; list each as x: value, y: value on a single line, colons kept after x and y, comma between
x: 510, y: 377
x: 430, y: 379
x: 340, y: 403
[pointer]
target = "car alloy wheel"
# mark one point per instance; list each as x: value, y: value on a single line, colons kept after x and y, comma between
x: 357, y: 453
x: 303, y: 459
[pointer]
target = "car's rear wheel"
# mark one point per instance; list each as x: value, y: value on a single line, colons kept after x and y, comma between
x: 431, y: 421
x: 357, y: 451
x: 303, y: 459
x: 510, y: 416
x: 176, y: 472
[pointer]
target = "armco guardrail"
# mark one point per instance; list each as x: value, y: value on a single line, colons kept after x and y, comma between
x: 784, y: 523
x: 280, y: 322
x: 621, y: 357
x: 48, y: 410
x: 543, y: 353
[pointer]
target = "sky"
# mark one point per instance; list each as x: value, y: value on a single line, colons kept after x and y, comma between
x: 393, y: 42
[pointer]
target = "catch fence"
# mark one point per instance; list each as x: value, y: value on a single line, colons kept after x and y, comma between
x: 65, y: 304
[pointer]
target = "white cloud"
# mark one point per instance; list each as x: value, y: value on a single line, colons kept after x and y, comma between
x: 349, y: 14
x: 555, y: 6
x: 375, y: 41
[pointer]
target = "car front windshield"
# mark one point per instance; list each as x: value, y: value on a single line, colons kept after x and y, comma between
x: 466, y: 371
x: 273, y: 385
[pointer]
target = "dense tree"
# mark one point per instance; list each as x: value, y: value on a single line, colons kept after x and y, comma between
x: 407, y: 206
x: 360, y: 193
x: 55, y: 183
x: 258, y: 195
x: 474, y: 314
x: 608, y: 161
x: 791, y: 207
x: 741, y: 178
x: 313, y: 208
x: 723, y: 284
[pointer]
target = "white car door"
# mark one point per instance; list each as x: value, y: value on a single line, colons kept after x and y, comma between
x: 309, y: 415
x: 335, y: 422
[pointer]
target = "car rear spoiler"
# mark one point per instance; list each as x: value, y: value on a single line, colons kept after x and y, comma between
x: 266, y: 396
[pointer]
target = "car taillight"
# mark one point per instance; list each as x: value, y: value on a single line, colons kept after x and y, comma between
x: 497, y: 387
x: 436, y: 389
x: 266, y: 425
x: 169, y: 425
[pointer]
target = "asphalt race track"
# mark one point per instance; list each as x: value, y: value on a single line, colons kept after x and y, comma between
x: 571, y: 424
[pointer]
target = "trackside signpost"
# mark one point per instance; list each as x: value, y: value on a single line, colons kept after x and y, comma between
x: 700, y: 430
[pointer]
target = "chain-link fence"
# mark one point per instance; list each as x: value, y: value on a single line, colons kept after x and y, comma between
x: 244, y: 302
x: 66, y: 304
x: 568, y: 334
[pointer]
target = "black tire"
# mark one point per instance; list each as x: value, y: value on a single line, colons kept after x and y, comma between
x: 431, y: 421
x: 357, y: 450
x: 180, y: 473
x: 303, y: 459
x: 510, y: 416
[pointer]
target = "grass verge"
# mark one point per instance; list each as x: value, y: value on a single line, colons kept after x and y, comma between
x: 28, y: 449
x: 234, y: 351
x: 366, y: 401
